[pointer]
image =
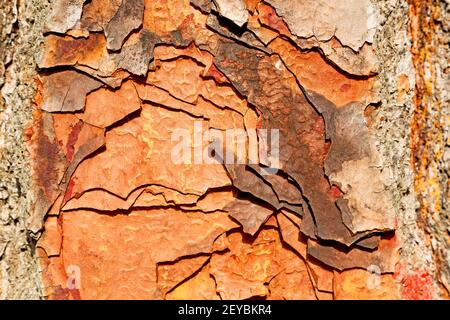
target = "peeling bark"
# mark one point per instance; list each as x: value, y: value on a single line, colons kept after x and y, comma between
x: 224, y: 149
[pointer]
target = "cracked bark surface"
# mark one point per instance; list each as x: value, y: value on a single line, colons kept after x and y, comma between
x: 116, y: 217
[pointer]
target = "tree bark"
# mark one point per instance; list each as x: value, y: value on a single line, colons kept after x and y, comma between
x: 93, y: 205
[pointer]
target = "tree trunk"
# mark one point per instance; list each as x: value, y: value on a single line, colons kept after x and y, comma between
x: 224, y: 149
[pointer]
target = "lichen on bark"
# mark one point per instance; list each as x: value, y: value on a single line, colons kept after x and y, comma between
x: 21, y: 34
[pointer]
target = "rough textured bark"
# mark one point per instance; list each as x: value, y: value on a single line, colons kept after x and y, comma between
x: 96, y: 206
x: 20, y: 36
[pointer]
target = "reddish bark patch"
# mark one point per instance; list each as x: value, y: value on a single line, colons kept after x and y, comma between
x: 269, y: 17
x: 69, y: 191
x: 335, y: 192
x: 345, y: 87
x: 215, y: 74
x: 47, y: 157
x: 418, y: 286
x: 73, y: 138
